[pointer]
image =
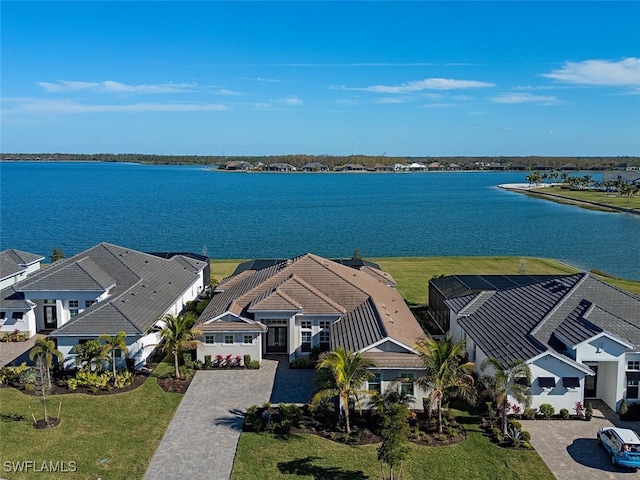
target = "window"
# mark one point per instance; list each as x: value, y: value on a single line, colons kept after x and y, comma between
x: 406, y: 387
x: 228, y: 339
x: 375, y: 384
x: 209, y: 339
x: 88, y: 303
x: 305, y: 324
x: 118, y: 353
x: 73, y: 308
x: 248, y: 339
x: 17, y: 315
x: 50, y: 301
x: 633, y: 365
x: 325, y: 336
x: 3, y: 315
x: 306, y: 340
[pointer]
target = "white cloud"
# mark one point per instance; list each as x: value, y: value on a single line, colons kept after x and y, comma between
x: 599, y: 72
x: 62, y: 107
x: 108, y: 86
x: 526, y: 98
x: 420, y: 85
x: 291, y: 101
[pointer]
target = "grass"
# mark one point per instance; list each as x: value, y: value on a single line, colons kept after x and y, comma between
x: 109, y: 436
x: 592, y: 196
x: 312, y: 457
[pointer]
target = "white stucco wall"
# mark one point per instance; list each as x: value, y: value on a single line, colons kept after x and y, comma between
x: 558, y: 396
x: 27, y: 324
x: 388, y: 375
x: 238, y: 348
x: 134, y: 344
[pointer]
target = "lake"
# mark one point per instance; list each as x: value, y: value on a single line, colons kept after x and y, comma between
x: 74, y: 206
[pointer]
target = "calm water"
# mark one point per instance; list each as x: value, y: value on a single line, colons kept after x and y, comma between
x: 235, y: 215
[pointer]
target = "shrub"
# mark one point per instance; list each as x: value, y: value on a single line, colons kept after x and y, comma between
x: 624, y: 408
x: 123, y: 379
x: 303, y: 362
x: 514, y: 436
x: 207, y: 362
x: 529, y: 414
x: 589, y: 411
x: 547, y: 410
x: 290, y: 413
x: 525, y: 436
x: 246, y: 359
x: 27, y: 376
x: 11, y: 375
x: 515, y: 424
x: 253, y: 364
x: 564, y: 413
x: 187, y: 360
x: 191, y: 306
x: 253, y: 419
x: 72, y: 384
x: 197, y: 365
x: 202, y: 304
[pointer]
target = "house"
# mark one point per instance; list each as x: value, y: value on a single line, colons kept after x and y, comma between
x: 280, y: 167
x: 289, y: 307
x: 315, y: 167
x: 108, y: 289
x: 16, y: 313
x: 237, y: 165
x: 579, y: 335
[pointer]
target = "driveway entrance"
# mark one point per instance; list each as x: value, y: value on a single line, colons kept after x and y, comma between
x: 570, y: 450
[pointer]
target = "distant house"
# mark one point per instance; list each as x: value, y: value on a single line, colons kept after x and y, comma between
x: 379, y: 167
x: 417, y: 167
x: 580, y: 336
x: 315, y: 167
x: 290, y: 307
x: 353, y: 167
x: 108, y: 289
x: 399, y: 167
x: 569, y: 167
x: 16, y: 313
x: 237, y: 165
x: 435, y: 166
x: 280, y: 167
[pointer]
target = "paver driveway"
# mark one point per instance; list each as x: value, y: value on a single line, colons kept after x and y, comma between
x: 570, y: 450
x: 201, y: 440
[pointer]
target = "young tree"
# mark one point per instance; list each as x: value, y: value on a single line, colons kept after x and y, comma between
x: 179, y: 333
x: 348, y: 371
x: 508, y: 380
x: 393, y: 449
x: 111, y: 345
x: 446, y: 372
x: 43, y: 353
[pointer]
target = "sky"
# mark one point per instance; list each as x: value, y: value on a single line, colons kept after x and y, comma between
x: 321, y: 78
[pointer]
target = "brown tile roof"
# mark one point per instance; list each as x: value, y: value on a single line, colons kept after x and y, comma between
x: 394, y: 360
x: 370, y: 310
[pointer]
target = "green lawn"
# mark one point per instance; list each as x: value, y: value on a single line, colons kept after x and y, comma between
x: 314, y: 458
x: 413, y: 273
x: 109, y: 436
x: 590, y: 196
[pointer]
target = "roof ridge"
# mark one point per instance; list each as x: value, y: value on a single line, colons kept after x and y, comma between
x: 341, y: 274
x: 557, y: 306
x: 485, y: 295
x: 78, y: 263
x: 315, y: 291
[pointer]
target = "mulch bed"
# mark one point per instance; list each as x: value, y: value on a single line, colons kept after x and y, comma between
x: 41, y: 424
x: 138, y: 379
x: 171, y: 384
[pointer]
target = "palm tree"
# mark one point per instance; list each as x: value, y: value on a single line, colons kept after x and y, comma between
x: 113, y: 344
x: 89, y: 354
x: 391, y: 396
x: 348, y: 372
x: 179, y: 333
x: 42, y: 353
x: 511, y: 380
x: 447, y: 373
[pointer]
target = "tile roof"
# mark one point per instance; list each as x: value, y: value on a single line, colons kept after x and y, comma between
x: 394, y: 360
x: 11, y: 299
x: 368, y: 308
x: 521, y: 322
x: 14, y: 261
x: 141, y: 287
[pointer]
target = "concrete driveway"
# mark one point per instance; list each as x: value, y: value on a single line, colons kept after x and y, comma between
x: 570, y: 450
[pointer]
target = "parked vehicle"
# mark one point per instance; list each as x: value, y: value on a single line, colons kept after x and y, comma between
x: 622, y: 444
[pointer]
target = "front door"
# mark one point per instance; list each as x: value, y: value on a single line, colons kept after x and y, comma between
x: 591, y: 383
x: 276, y: 339
x: 50, y: 317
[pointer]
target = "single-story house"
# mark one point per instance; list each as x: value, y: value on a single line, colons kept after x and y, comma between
x: 579, y: 335
x: 280, y: 167
x: 15, y: 311
x: 289, y: 307
x: 108, y: 289
x: 315, y: 167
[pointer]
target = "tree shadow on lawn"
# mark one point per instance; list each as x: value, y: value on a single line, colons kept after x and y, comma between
x: 305, y: 467
x: 586, y: 451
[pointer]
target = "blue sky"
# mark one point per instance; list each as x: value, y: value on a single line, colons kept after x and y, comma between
x: 335, y: 78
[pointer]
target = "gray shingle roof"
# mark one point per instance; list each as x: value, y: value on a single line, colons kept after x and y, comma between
x: 11, y: 299
x: 14, y: 261
x: 521, y: 322
x: 142, y: 287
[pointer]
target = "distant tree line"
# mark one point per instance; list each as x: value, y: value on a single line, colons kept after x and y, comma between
x: 370, y: 161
